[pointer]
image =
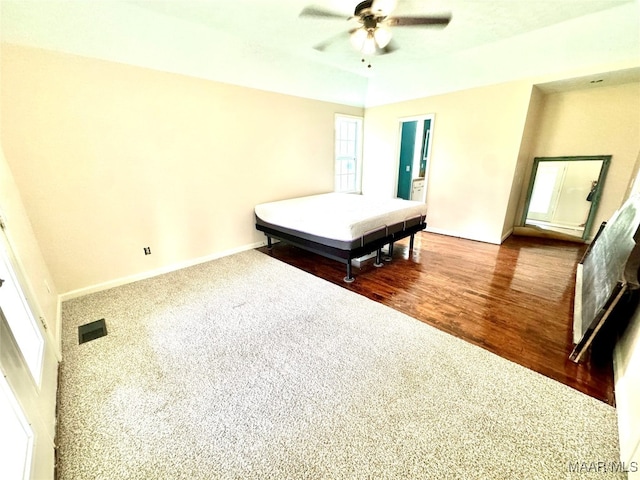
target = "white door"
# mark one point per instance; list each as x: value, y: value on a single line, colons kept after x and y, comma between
x: 546, y: 190
x: 29, y: 368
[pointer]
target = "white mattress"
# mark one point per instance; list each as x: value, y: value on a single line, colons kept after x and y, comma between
x: 339, y: 216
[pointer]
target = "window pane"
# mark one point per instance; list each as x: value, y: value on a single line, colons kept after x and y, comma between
x: 347, y: 148
x: 351, y: 182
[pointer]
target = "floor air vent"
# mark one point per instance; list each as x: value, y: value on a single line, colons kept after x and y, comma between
x: 91, y: 331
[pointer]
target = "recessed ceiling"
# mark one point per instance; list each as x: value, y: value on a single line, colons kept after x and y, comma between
x: 266, y: 45
x: 618, y: 77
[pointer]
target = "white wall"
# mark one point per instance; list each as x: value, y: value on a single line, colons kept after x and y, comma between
x: 476, y: 142
x: 39, y: 286
x: 594, y: 121
x: 627, y: 388
x: 110, y: 159
x: 626, y: 369
x: 23, y: 241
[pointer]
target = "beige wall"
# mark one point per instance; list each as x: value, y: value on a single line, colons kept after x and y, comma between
x: 38, y: 285
x: 476, y: 142
x: 111, y: 158
x: 25, y: 246
x: 596, y: 121
x: 524, y: 163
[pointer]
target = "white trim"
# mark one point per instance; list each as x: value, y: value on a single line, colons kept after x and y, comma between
x: 359, y: 149
x: 27, y: 290
x: 420, y: 119
x: 432, y: 117
x: 506, y: 235
x: 58, y: 344
x: 451, y: 233
x: 19, y: 414
x: 414, y: 118
x: 154, y: 273
x: 577, y: 307
x: 30, y: 306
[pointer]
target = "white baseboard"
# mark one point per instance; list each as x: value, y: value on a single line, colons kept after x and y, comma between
x: 450, y: 233
x: 153, y: 273
x: 58, y: 338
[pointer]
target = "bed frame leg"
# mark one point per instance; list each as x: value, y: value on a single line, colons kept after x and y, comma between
x: 269, y: 244
x: 411, y: 244
x: 389, y: 256
x: 378, y: 263
x: 349, y: 278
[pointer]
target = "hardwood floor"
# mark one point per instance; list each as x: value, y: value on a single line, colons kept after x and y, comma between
x: 514, y: 299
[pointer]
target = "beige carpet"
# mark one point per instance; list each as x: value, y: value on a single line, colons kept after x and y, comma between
x: 246, y: 367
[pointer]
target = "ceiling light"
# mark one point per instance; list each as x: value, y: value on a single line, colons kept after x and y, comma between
x: 368, y: 40
x: 382, y: 36
x: 358, y: 38
x: 369, y: 46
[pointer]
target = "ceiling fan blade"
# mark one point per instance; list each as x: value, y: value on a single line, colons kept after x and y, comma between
x: 418, y: 21
x: 322, y: 46
x: 385, y: 7
x: 319, y: 12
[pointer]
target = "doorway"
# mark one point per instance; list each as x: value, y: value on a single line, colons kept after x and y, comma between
x: 413, y: 159
x: 564, y: 193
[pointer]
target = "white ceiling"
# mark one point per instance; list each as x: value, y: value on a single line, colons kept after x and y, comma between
x: 265, y: 44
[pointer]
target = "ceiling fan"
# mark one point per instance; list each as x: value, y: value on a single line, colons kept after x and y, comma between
x: 372, y: 34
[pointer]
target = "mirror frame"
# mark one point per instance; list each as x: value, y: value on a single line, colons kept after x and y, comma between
x: 606, y: 160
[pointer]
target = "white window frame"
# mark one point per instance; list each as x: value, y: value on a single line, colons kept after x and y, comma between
x: 346, y: 148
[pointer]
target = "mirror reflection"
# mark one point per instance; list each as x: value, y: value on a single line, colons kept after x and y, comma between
x: 564, y: 193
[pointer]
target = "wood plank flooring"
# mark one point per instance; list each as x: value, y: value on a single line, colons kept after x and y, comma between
x: 514, y: 299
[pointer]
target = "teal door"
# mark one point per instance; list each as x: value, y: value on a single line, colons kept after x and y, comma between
x: 407, y: 149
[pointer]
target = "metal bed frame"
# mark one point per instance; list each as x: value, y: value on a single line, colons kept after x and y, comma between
x: 372, y: 241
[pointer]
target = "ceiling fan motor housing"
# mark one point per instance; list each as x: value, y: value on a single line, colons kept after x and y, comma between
x: 368, y: 18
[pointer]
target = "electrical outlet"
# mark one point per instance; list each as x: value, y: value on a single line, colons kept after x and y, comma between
x: 147, y: 250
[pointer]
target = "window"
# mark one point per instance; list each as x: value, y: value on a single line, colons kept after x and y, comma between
x: 348, y: 157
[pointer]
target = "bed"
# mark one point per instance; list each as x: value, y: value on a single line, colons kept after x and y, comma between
x: 341, y: 226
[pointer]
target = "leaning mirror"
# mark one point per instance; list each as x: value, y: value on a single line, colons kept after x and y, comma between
x: 564, y: 192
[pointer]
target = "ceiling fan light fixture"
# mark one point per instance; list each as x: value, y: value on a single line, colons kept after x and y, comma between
x: 373, y: 34
x: 358, y: 38
x: 382, y: 36
x: 369, y: 46
x: 368, y: 41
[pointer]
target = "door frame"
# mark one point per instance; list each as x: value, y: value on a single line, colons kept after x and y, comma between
x: 35, y: 397
x: 413, y: 118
